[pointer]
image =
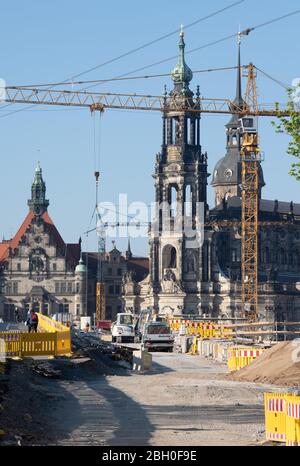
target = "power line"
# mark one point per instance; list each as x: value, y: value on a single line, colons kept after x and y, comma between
x: 167, y: 59
x: 165, y: 36
x: 140, y: 48
x: 275, y: 20
x: 99, y: 81
x: 245, y: 32
x: 223, y: 39
x: 280, y: 83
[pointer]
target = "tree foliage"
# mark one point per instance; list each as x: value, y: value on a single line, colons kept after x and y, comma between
x: 291, y: 126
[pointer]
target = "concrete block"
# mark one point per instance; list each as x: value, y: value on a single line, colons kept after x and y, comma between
x: 142, y: 360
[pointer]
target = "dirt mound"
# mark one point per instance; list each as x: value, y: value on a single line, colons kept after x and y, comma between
x: 279, y: 365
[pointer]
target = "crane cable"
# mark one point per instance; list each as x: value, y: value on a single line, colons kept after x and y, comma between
x: 136, y: 49
x: 165, y: 36
x: 100, y: 81
x: 245, y: 32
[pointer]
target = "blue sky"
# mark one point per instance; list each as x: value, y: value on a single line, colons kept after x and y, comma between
x: 44, y: 42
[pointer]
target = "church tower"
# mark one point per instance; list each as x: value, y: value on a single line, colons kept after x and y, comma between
x: 227, y: 175
x: 38, y: 203
x: 180, y: 199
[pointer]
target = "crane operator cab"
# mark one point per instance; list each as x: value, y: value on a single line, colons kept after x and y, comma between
x: 250, y: 142
x: 248, y: 124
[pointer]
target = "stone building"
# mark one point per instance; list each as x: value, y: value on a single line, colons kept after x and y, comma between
x: 115, y: 268
x: 39, y: 270
x: 205, y: 279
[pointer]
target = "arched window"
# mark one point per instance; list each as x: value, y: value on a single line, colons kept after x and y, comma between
x: 173, y: 202
x: 188, y: 201
x: 188, y: 131
x: 169, y: 257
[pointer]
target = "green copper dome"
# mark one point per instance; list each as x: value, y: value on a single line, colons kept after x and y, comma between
x: 81, y: 267
x: 181, y: 73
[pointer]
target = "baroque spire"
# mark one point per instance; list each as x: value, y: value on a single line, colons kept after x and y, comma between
x: 182, y: 74
x: 38, y: 202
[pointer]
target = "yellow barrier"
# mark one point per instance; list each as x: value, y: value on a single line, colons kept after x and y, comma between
x: 232, y: 359
x: 195, y: 346
x: 282, y: 418
x: 292, y: 420
x: 54, y: 340
x: 49, y: 325
x: 201, y: 329
x: 37, y: 344
x: 63, y: 342
x: 12, y: 342
x: 241, y: 357
x: 275, y: 416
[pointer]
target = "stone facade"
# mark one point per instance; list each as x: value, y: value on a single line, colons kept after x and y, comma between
x: 39, y: 270
x: 206, y: 280
x: 37, y: 266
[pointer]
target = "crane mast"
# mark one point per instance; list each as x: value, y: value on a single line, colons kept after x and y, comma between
x: 250, y: 158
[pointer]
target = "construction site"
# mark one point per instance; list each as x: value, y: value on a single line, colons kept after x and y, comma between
x: 195, y: 343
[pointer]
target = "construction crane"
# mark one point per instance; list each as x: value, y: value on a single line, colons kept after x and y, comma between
x: 101, y: 101
x: 250, y: 158
x: 96, y: 101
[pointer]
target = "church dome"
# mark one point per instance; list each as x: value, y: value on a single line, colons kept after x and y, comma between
x: 80, y: 267
x: 182, y: 73
x: 228, y: 171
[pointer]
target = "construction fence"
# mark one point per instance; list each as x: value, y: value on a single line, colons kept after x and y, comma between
x: 282, y: 418
x: 201, y: 329
x: 236, y: 357
x: 52, y: 339
x: 239, y: 357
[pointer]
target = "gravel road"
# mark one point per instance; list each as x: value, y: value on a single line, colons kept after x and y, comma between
x: 184, y: 400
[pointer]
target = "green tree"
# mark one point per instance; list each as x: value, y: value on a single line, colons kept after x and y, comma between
x: 291, y: 126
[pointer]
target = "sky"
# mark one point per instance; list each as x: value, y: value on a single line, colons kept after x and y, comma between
x: 49, y: 42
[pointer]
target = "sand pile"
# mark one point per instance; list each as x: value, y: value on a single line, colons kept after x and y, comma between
x: 278, y: 365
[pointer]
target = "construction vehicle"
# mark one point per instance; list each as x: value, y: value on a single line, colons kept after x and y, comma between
x: 157, y: 336
x: 146, y: 315
x: 122, y: 329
